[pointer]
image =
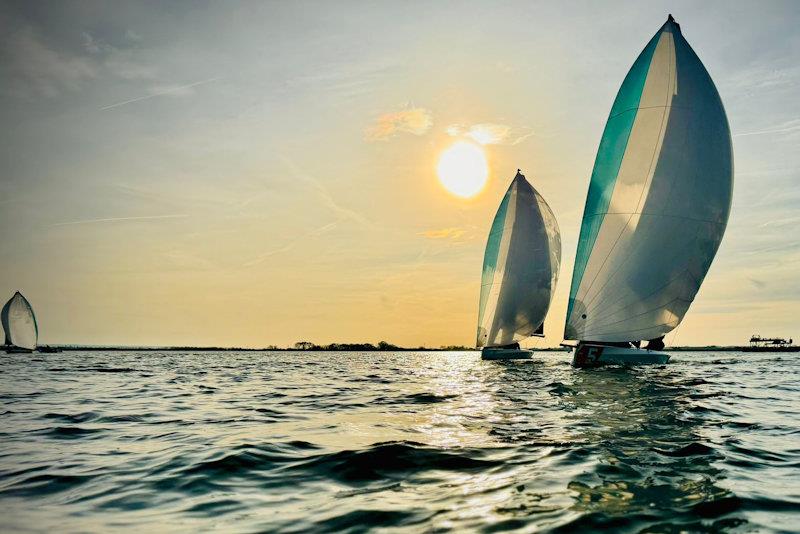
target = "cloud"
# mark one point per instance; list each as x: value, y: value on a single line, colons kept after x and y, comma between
x: 31, y: 68
x: 120, y: 62
x: 758, y: 284
x: 415, y: 121
x: 33, y: 65
x: 343, y: 80
x: 91, y: 45
x: 444, y: 233
x: 491, y: 133
x: 133, y: 36
x: 782, y: 222
x: 764, y: 76
x: 506, y: 67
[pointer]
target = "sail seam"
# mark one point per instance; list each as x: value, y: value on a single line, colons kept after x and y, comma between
x: 601, y: 302
x: 676, y: 299
x: 648, y: 107
x: 628, y: 317
x: 640, y: 329
x: 653, y: 158
x: 653, y: 215
x: 627, y: 93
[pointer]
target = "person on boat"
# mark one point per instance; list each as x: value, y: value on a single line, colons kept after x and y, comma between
x: 656, y: 344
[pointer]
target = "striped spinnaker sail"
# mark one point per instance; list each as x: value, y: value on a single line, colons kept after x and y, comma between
x: 658, y: 200
x: 520, y: 267
x: 19, y: 323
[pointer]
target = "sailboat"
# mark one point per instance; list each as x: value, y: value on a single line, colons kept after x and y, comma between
x: 520, y: 270
x: 656, y: 210
x: 19, y: 324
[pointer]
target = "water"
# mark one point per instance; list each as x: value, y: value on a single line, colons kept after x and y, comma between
x: 290, y: 442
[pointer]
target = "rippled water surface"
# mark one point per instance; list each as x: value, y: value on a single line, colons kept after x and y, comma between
x: 287, y: 441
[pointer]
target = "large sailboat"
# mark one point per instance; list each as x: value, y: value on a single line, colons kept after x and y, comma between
x: 656, y: 210
x: 520, y: 270
x: 19, y: 324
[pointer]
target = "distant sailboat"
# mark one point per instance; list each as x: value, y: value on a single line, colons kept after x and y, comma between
x: 657, y: 207
x: 520, y: 270
x: 19, y: 324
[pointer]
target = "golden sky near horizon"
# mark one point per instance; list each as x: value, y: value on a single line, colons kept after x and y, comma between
x: 255, y: 174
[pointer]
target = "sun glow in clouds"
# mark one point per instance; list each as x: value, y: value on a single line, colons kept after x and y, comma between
x: 462, y: 169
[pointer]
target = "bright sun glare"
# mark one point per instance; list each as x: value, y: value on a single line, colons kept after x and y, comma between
x: 462, y: 169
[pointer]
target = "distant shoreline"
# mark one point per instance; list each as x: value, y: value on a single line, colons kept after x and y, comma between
x: 372, y: 348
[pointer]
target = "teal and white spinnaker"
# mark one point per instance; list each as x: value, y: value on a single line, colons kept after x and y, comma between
x: 19, y: 323
x: 658, y: 201
x: 520, y: 267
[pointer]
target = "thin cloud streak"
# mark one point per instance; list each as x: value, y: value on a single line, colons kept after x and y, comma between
x: 325, y: 197
x: 342, y: 214
x: 291, y: 244
x: 167, y: 91
x: 491, y: 133
x: 120, y: 219
x: 791, y: 126
x: 444, y: 233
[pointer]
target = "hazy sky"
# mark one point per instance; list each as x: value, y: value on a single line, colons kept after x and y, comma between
x: 256, y: 173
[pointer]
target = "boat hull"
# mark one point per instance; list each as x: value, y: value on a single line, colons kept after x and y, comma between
x: 18, y: 350
x: 590, y: 355
x: 489, y: 353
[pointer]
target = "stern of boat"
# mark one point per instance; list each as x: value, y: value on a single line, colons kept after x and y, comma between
x: 591, y: 355
x: 489, y: 353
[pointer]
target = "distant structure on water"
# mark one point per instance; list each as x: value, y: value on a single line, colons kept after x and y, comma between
x: 771, y: 344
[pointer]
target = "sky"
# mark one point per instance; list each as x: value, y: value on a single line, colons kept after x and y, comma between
x: 254, y: 173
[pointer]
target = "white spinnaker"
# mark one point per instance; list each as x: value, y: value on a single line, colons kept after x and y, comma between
x: 521, y: 264
x: 19, y: 323
x: 665, y: 211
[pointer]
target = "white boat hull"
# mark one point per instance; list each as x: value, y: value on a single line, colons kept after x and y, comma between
x: 489, y: 353
x: 590, y: 355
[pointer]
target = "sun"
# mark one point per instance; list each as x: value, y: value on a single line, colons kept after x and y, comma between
x: 462, y: 169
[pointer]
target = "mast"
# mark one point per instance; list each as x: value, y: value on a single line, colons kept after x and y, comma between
x: 658, y: 200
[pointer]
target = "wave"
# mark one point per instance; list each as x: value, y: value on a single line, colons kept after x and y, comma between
x: 392, y: 460
x: 284, y: 442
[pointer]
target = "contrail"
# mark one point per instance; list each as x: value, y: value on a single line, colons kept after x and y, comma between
x: 160, y: 93
x: 288, y: 246
x: 784, y: 129
x: 117, y: 219
x: 324, y: 196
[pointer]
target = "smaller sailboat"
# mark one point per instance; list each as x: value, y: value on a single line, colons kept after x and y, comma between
x: 520, y: 270
x: 19, y: 324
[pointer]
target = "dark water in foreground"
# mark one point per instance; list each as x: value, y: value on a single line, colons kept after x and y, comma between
x: 417, y: 441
